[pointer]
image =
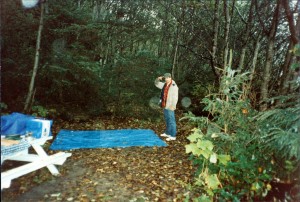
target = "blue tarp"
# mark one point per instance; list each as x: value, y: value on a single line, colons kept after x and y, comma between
x: 21, y: 124
x: 69, y: 139
x: 14, y: 123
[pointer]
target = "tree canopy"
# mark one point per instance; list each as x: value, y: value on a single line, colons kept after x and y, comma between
x: 102, y: 56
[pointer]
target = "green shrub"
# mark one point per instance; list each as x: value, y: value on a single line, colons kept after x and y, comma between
x: 279, y: 132
x: 3, y: 106
x: 237, y: 150
x: 39, y: 111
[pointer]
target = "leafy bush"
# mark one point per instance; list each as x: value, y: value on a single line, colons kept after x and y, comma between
x: 3, y: 106
x: 39, y: 111
x: 238, y: 151
x: 238, y: 175
x: 279, y: 133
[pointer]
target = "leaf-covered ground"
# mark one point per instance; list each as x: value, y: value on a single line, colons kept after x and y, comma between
x: 121, y: 174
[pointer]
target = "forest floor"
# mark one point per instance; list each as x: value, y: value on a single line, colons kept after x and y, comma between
x: 118, y: 174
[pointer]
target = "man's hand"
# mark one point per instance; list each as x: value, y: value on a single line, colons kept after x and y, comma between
x: 160, y: 78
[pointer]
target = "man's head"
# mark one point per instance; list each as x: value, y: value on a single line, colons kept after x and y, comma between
x: 168, y: 77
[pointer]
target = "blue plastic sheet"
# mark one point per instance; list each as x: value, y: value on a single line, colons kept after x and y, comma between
x: 14, y: 123
x: 69, y: 139
x: 21, y: 124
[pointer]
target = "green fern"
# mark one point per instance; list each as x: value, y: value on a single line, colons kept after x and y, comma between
x: 280, y: 130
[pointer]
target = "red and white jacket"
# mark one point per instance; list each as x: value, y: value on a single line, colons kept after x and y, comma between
x: 172, y: 97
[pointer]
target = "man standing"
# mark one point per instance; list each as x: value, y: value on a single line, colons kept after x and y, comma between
x: 168, y: 101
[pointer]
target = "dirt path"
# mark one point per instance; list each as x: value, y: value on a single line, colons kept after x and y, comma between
x: 127, y: 174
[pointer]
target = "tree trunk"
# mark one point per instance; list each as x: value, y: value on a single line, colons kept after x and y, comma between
x: 284, y: 79
x: 226, y: 33
x: 215, y: 39
x: 176, y: 50
x: 294, y: 30
x: 287, y: 72
x: 95, y: 10
x: 257, y: 47
x: 249, y: 93
x: 246, y: 36
x: 269, y: 60
x: 30, y: 94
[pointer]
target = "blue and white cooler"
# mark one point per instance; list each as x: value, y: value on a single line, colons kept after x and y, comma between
x: 39, y: 128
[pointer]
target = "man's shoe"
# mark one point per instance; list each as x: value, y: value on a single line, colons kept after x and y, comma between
x: 165, y: 135
x: 171, y: 138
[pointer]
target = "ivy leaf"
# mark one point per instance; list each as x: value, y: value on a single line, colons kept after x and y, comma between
x: 189, y: 148
x: 213, y: 158
x: 192, y: 148
x: 224, y: 159
x: 205, y: 145
x: 195, y: 135
x: 205, y: 153
x: 212, y: 181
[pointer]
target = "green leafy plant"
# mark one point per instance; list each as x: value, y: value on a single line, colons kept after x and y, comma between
x: 279, y: 129
x: 3, y: 106
x: 39, y: 111
x: 203, y: 148
x: 224, y: 147
x: 238, y: 175
x: 279, y: 132
x: 239, y: 151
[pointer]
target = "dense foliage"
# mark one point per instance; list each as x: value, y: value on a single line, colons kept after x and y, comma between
x: 240, y: 151
x: 102, y: 56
